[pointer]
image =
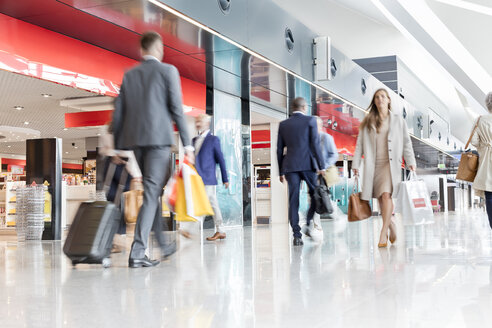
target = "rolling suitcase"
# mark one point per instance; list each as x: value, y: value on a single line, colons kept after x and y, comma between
x: 91, y: 234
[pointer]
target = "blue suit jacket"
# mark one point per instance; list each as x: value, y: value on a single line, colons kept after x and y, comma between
x: 299, y: 134
x: 207, y: 159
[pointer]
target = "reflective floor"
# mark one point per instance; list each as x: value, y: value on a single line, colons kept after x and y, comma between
x: 438, y: 275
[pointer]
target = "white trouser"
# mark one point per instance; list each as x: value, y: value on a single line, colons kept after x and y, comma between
x: 212, y: 197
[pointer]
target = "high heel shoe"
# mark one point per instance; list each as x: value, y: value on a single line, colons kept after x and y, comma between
x: 380, y: 245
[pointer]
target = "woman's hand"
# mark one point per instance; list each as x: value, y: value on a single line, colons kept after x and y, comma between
x: 356, y: 171
x: 412, y: 168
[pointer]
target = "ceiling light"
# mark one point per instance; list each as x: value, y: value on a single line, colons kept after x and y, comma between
x: 46, y: 95
x: 98, y: 134
x: 65, y: 129
x: 66, y: 152
x: 9, y: 146
x: 468, y: 6
x: 19, y: 107
x: 26, y: 123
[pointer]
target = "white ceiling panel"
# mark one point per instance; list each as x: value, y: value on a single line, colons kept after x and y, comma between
x: 43, y: 114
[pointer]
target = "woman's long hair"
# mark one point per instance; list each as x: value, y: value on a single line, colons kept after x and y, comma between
x: 373, y: 119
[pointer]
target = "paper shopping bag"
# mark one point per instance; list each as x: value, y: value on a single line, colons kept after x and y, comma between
x: 191, y: 200
x: 414, y: 203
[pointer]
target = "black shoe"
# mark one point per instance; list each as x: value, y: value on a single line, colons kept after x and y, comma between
x: 168, y: 250
x: 144, y: 262
x: 298, y: 241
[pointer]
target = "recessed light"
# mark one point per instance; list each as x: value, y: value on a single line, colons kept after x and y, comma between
x: 98, y: 134
x: 9, y: 146
x: 76, y: 147
x: 46, y: 95
x: 65, y: 129
x: 26, y: 123
x: 19, y: 107
x: 66, y: 152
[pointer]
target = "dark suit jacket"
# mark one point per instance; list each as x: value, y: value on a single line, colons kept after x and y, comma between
x: 207, y: 159
x: 299, y: 134
x: 148, y: 103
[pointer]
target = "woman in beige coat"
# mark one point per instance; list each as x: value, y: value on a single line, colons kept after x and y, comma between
x: 383, y: 141
x: 482, y: 140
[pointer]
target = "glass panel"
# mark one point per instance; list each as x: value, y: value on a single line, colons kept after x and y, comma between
x: 227, y: 126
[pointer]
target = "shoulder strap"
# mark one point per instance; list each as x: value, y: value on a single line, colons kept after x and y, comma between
x: 472, y: 133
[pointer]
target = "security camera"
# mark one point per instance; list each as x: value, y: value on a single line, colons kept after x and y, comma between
x: 73, y: 144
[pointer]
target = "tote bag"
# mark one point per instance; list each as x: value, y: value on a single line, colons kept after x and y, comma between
x: 414, y: 203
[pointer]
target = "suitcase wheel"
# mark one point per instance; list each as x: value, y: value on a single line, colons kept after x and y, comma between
x: 106, y: 262
x: 74, y: 263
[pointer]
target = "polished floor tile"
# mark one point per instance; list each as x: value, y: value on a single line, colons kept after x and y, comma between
x: 437, y: 275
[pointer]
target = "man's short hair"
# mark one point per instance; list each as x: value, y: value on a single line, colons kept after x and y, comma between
x: 298, y: 103
x: 148, y: 39
x: 204, y: 118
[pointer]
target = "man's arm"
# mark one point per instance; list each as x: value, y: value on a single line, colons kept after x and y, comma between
x: 175, y: 104
x: 119, y: 108
x: 219, y: 158
x: 331, y: 151
x: 314, y: 143
x: 280, y: 150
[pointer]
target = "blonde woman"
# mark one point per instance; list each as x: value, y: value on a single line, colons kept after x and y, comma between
x: 383, y: 141
x: 482, y: 140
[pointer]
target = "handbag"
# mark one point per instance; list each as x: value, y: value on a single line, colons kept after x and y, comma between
x: 468, y: 167
x: 322, y: 197
x: 358, y: 209
x: 133, y: 203
x: 331, y: 176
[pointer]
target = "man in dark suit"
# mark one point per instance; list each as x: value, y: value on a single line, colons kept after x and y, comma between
x: 208, y: 154
x: 301, y: 160
x: 149, y: 102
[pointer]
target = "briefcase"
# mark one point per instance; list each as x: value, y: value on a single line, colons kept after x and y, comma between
x: 322, y: 197
x: 358, y: 209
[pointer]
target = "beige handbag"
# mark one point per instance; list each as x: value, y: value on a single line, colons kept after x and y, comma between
x: 358, y: 209
x: 331, y: 176
x: 468, y: 167
x: 133, y: 201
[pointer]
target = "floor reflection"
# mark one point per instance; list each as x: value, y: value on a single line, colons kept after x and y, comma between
x: 436, y: 275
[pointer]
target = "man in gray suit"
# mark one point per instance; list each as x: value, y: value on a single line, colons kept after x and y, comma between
x: 149, y: 102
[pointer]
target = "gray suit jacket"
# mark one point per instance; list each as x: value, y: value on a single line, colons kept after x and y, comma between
x: 148, y: 103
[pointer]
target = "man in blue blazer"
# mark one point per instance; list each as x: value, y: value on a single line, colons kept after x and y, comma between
x: 207, y: 155
x: 301, y: 160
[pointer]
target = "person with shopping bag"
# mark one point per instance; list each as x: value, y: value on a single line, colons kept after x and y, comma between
x: 116, y: 174
x: 382, y: 143
x: 148, y: 104
x: 330, y: 156
x: 482, y: 140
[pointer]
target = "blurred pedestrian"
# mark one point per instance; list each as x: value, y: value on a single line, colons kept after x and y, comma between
x: 482, y: 140
x: 149, y: 102
x: 329, y: 153
x: 207, y: 155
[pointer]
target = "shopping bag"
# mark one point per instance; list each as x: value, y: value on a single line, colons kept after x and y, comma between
x: 468, y: 166
x: 133, y: 202
x: 187, y: 196
x: 413, y: 202
x: 331, y: 176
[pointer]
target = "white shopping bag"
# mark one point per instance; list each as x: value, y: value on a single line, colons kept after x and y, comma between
x: 414, y: 203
